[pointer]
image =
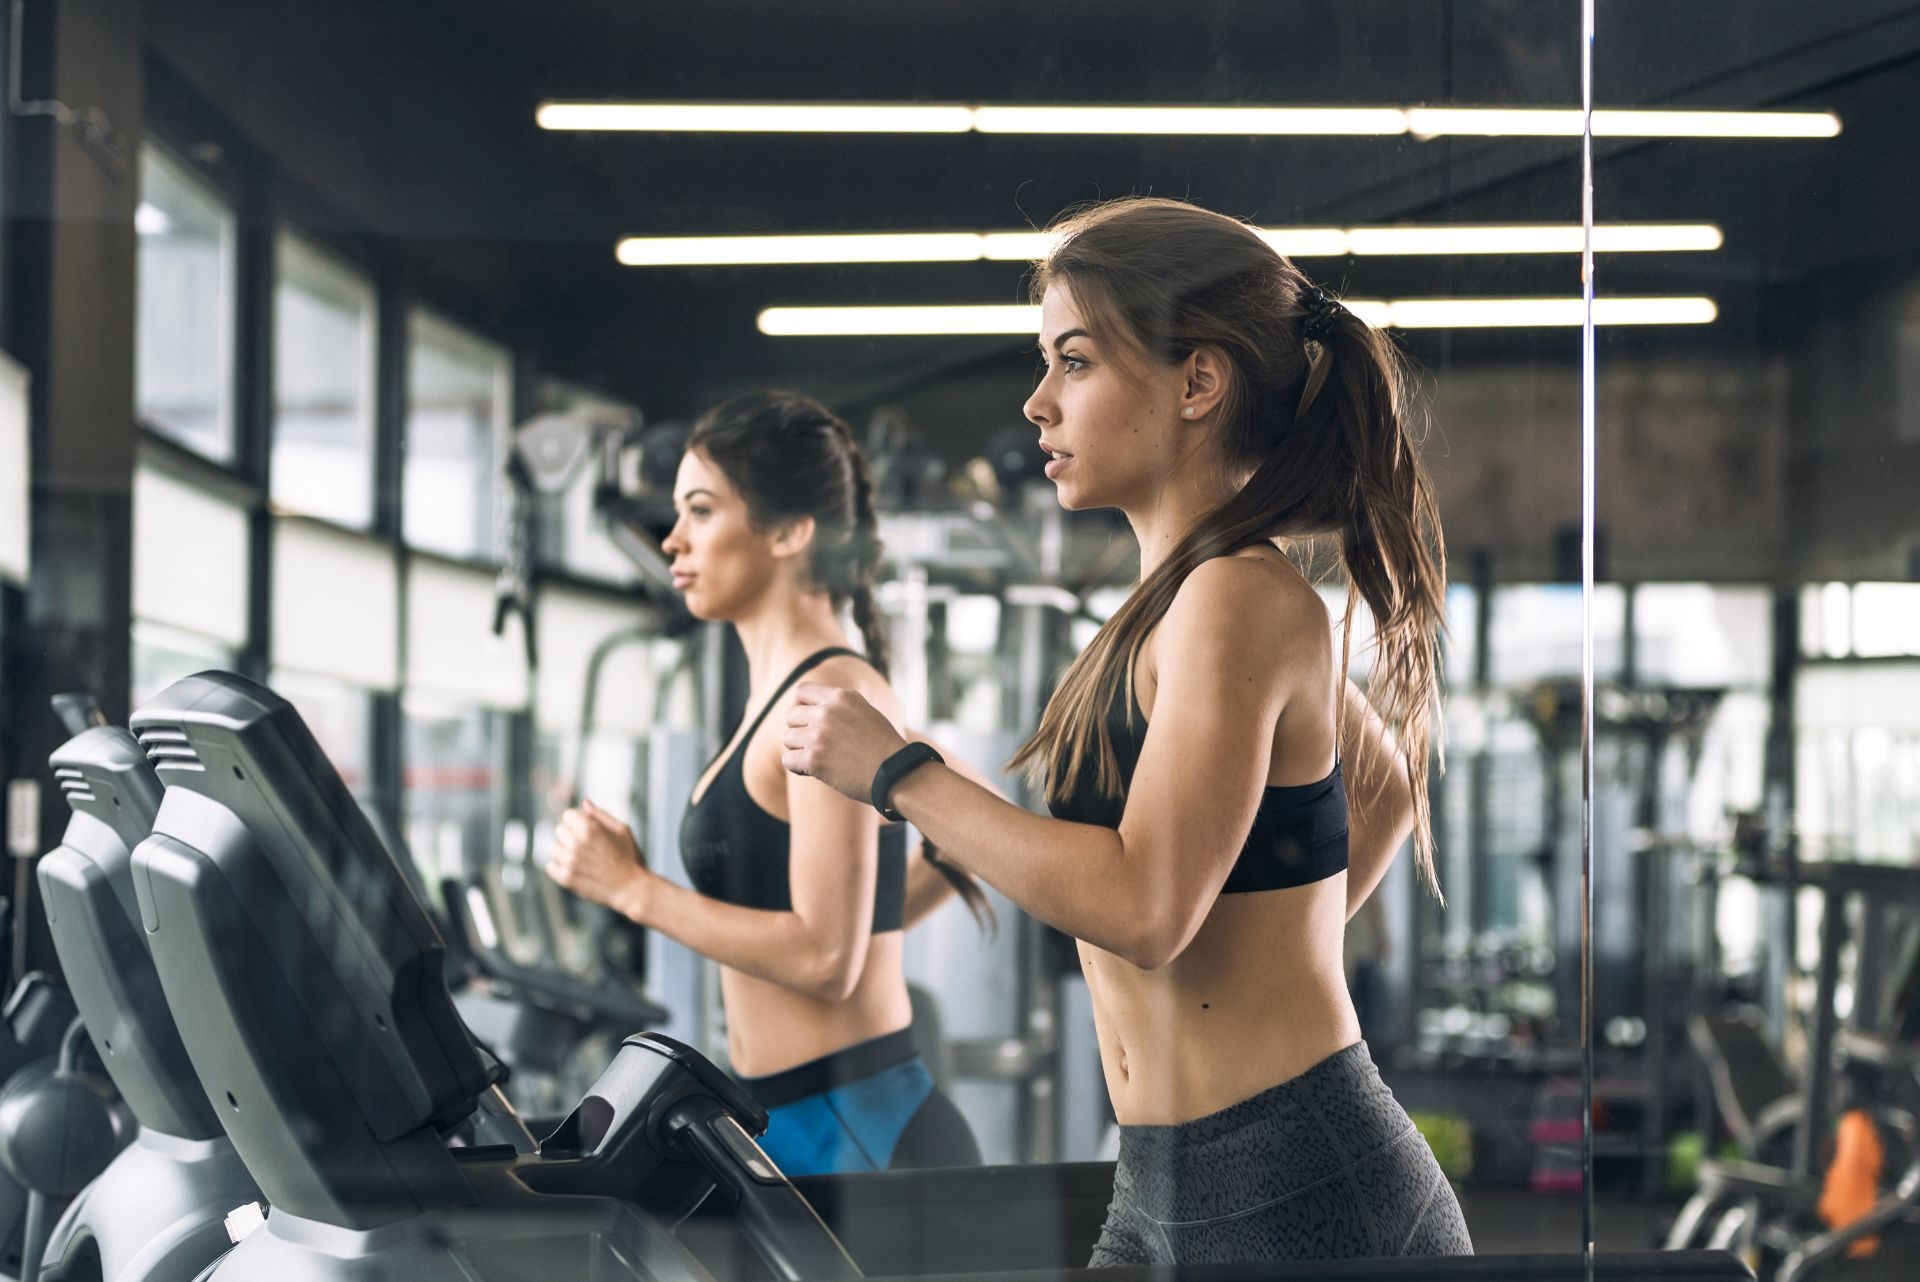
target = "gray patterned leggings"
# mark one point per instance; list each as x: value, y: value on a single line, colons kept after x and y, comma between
x: 1325, y: 1166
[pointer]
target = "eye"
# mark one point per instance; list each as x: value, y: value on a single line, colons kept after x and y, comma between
x: 700, y: 510
x: 1074, y: 364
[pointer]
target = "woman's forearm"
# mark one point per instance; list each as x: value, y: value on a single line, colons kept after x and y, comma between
x: 1075, y: 877
x: 779, y: 947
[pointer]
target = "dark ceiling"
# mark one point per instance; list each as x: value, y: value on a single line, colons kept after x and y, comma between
x: 409, y: 129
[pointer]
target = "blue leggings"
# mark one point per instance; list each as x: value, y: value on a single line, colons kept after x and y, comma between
x: 870, y: 1107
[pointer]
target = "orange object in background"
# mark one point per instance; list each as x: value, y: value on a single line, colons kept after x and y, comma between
x: 1853, y: 1179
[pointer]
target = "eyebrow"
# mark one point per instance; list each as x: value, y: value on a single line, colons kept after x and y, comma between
x: 1060, y: 340
x: 689, y: 496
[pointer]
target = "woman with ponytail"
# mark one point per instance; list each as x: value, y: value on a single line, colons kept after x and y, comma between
x: 1199, y: 755
x: 799, y: 894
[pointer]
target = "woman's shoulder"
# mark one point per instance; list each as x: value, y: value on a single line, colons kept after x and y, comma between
x: 1251, y: 595
x: 858, y: 674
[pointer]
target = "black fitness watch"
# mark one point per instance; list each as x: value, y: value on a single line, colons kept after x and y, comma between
x: 896, y: 768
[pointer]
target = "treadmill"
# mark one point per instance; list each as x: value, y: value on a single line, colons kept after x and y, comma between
x: 307, y: 982
x: 158, y: 1210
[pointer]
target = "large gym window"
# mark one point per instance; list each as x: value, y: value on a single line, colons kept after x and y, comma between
x: 454, y: 797
x: 1857, y: 782
x: 336, y: 605
x: 459, y: 407
x: 1535, y: 632
x: 163, y: 655
x: 323, y: 385
x: 1860, y: 620
x: 189, y: 581
x: 341, y: 718
x: 462, y: 686
x: 183, y: 381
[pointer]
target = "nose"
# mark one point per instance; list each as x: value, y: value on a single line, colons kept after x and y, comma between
x: 675, y: 543
x: 1039, y: 409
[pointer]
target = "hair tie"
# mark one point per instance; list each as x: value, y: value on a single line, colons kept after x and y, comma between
x: 1321, y: 314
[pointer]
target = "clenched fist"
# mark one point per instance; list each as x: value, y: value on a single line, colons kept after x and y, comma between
x: 837, y: 737
x: 595, y: 856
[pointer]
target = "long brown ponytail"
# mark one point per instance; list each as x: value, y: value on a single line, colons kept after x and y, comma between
x: 1322, y: 430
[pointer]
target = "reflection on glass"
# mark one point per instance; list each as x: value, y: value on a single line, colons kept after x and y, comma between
x: 458, y: 407
x: 184, y: 345
x: 322, y: 385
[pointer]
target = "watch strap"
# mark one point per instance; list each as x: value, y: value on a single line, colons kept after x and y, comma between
x: 896, y: 768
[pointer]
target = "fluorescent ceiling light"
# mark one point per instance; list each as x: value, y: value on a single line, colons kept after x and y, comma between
x: 1138, y: 119
x: 759, y: 117
x: 1566, y: 122
x: 818, y: 322
x: 1715, y: 124
x: 1295, y: 242
x: 1017, y: 246
x: 1237, y: 121
x: 1308, y: 242
x: 677, y: 251
x: 1402, y: 313
x: 1535, y: 239
x: 1531, y: 313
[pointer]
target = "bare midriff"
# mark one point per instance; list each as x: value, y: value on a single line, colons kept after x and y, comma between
x: 1256, y: 999
x: 771, y: 1028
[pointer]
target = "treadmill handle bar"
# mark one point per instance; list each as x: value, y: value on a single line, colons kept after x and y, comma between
x: 783, y: 1227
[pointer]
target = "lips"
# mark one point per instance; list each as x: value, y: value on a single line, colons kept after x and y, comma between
x: 1058, y: 461
x: 681, y: 580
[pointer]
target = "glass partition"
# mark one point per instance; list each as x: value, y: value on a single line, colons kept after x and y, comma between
x: 1756, y: 849
x: 525, y: 191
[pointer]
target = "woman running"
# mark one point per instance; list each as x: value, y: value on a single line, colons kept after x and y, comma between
x: 1198, y: 848
x: 799, y: 894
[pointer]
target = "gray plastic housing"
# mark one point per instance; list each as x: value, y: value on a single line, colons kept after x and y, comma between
x: 94, y: 917
x: 303, y: 972
x: 157, y: 1214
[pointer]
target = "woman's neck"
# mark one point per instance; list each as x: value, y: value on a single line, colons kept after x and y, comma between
x: 783, y: 627
x: 1195, y: 488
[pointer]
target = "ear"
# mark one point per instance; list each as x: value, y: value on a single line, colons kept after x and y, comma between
x: 792, y: 538
x: 1204, y: 384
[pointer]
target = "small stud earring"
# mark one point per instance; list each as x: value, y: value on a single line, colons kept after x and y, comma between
x: 1187, y: 412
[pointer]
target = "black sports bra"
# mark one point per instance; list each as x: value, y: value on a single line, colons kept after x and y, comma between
x: 737, y: 853
x: 1299, y: 834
